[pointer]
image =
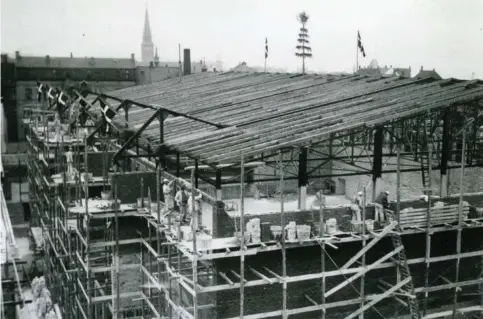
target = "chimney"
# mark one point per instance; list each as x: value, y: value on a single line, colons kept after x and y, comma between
x: 151, y: 64
x: 186, y: 62
x: 47, y: 59
x: 71, y: 55
x: 421, y: 67
x: 17, y: 55
x: 434, y: 70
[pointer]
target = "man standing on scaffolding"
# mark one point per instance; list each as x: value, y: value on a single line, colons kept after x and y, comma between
x: 382, y: 203
x: 196, y: 211
x: 168, y: 197
x: 181, y: 199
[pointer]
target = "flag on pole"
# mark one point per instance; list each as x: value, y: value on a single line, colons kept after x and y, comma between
x: 39, y: 91
x: 266, y: 48
x: 49, y: 93
x: 359, y: 44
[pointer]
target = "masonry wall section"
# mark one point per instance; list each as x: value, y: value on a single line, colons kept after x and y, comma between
x: 308, y: 260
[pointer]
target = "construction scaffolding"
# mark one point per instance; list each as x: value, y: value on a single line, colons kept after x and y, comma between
x: 188, y: 273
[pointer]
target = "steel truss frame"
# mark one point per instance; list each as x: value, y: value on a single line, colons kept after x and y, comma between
x: 171, y: 257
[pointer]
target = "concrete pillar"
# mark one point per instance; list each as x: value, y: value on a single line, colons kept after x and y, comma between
x: 443, y: 188
x: 219, y: 192
x: 302, y: 197
x: 302, y: 178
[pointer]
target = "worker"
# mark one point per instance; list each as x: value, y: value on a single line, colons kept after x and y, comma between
x: 381, y: 204
x: 358, y: 199
x: 256, y: 191
x: 356, y: 212
x: 196, y: 211
x: 181, y: 199
x: 424, y: 198
x: 69, y: 157
x: 168, y: 195
x: 57, y: 128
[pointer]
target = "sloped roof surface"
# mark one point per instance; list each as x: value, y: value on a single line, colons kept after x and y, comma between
x: 265, y: 112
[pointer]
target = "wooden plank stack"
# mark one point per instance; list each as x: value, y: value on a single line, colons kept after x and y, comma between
x: 417, y: 217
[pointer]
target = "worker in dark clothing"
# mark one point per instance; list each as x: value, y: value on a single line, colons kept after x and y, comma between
x: 382, y: 202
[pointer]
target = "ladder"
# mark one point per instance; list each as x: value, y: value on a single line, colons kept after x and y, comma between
x: 407, y: 289
x: 425, y: 172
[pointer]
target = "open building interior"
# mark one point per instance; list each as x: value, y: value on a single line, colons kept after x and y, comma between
x: 270, y: 154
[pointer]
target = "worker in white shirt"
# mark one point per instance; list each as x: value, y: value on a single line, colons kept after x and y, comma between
x: 168, y: 195
x: 181, y: 199
x: 196, y: 211
x: 358, y: 199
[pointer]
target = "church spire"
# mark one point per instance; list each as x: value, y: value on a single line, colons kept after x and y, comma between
x: 147, y: 29
x: 147, y: 46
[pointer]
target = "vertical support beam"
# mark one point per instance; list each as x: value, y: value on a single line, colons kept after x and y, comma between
x: 460, y: 221
x: 352, y: 141
x: 428, y: 241
x: 88, y: 236
x: 158, y: 238
x: 284, y: 252
x: 331, y: 154
x: 219, y: 192
x: 445, y: 149
x: 242, y: 237
x: 126, y: 114
x: 161, y: 118
x: 377, y: 159
x: 322, y: 253
x: 177, y: 164
x: 115, y: 259
x: 196, y: 174
x: 363, y: 257
x: 302, y: 178
x: 194, y: 228
x: 398, y: 187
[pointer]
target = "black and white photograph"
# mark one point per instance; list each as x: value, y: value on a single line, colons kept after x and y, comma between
x: 252, y: 159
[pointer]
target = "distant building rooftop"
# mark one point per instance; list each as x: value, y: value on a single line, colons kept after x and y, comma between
x: 73, y: 62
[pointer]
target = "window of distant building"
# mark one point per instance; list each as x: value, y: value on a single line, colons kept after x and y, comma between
x: 28, y: 94
x: 127, y: 74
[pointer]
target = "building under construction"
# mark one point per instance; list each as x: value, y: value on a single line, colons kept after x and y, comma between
x: 276, y: 159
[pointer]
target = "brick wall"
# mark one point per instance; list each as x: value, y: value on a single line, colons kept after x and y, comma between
x: 95, y: 162
x: 129, y: 185
x: 308, y: 260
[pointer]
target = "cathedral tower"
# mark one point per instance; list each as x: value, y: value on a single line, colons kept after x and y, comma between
x: 147, y: 46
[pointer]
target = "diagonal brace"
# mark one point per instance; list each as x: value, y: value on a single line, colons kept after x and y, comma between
x: 376, y: 239
x: 137, y: 134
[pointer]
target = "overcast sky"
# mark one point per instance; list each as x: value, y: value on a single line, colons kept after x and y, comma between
x: 443, y: 34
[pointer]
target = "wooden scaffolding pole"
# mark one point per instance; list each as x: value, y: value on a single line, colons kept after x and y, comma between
x: 115, y: 258
x: 194, y: 228
x: 428, y: 231
x: 158, y: 239
x: 88, y: 236
x: 363, y: 258
x: 242, y: 235
x: 284, y: 253
x: 460, y: 222
x: 322, y: 254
